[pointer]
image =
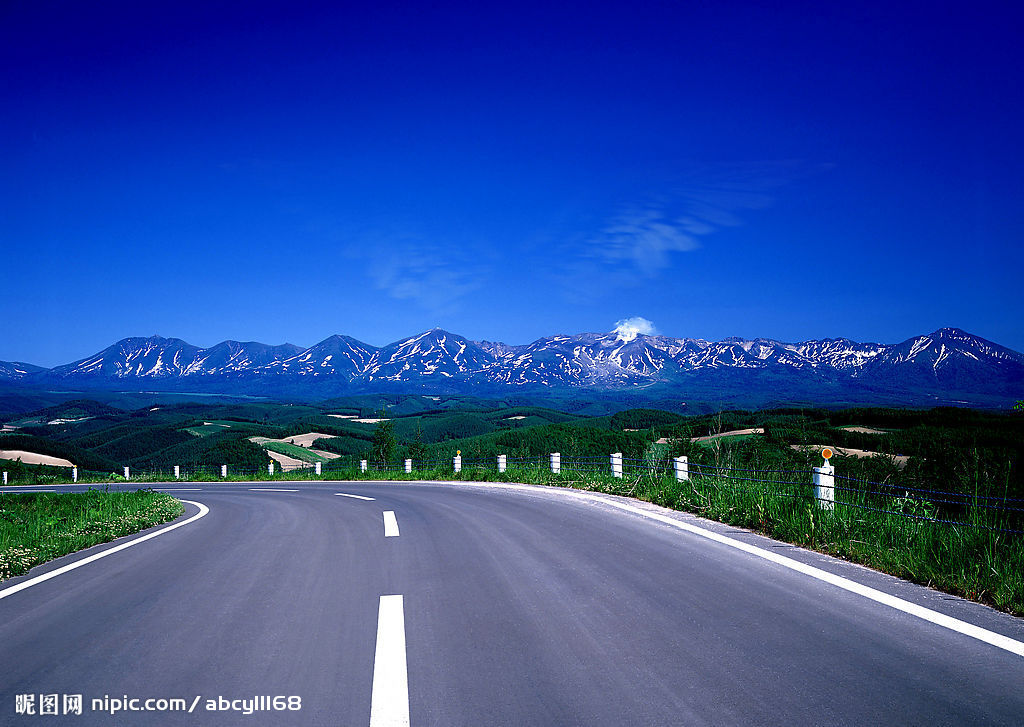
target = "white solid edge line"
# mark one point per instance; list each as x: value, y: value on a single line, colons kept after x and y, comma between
x: 389, y: 698
x: 939, y: 619
x: 390, y: 524
x: 358, y: 497
x: 203, y: 509
x: 268, y: 489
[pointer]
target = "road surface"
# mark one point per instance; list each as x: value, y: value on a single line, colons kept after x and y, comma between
x: 451, y: 604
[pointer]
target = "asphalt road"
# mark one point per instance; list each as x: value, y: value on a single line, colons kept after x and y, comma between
x: 517, y: 607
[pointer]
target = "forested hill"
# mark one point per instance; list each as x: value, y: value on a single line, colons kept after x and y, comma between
x: 937, y: 448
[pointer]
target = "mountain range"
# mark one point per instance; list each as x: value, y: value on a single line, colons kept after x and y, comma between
x: 948, y: 366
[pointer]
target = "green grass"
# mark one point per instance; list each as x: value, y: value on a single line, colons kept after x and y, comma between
x: 207, y: 428
x: 970, y: 560
x: 38, y: 527
x: 967, y: 560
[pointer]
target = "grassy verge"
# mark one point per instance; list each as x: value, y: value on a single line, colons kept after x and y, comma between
x: 38, y: 527
x: 973, y: 560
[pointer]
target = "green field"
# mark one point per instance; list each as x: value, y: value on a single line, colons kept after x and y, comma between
x: 207, y: 428
x: 294, y: 451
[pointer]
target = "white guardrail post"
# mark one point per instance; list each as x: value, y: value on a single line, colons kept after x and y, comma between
x: 74, y: 474
x: 223, y: 471
x: 824, y: 487
x: 126, y: 473
x: 457, y: 462
x: 408, y: 466
x: 682, y: 468
x: 616, y: 464
x: 556, y: 463
x: 319, y: 468
x: 362, y: 465
x: 177, y: 471
x: 501, y: 463
x: 5, y: 478
x: 270, y: 469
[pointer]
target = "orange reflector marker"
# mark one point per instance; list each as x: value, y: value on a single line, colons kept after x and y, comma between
x: 826, y: 453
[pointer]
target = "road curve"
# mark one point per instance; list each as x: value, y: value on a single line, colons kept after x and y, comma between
x: 528, y: 606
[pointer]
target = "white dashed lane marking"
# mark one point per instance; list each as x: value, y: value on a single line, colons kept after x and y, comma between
x: 390, y: 524
x: 389, y: 700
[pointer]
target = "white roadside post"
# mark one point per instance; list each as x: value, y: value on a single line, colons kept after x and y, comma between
x: 457, y: 460
x: 319, y: 469
x: 177, y: 472
x: 824, y: 483
x: 362, y: 465
x: 5, y: 478
x: 501, y: 463
x: 74, y: 474
x: 556, y: 463
x: 126, y: 473
x: 616, y: 459
x: 682, y: 468
x: 408, y: 466
x: 270, y: 469
x: 223, y: 471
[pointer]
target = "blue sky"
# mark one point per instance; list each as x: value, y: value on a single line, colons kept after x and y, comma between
x: 286, y: 171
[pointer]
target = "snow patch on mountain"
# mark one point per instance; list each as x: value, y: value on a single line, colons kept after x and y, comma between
x: 948, y: 359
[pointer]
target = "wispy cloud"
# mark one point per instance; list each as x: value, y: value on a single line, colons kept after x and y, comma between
x: 641, y: 239
x: 417, y: 271
x: 644, y: 239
